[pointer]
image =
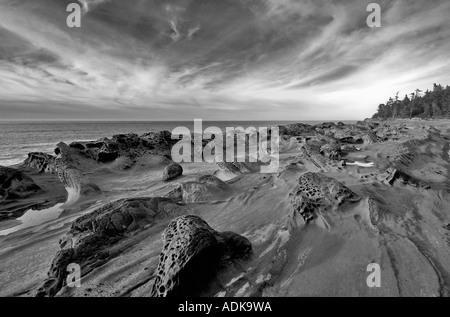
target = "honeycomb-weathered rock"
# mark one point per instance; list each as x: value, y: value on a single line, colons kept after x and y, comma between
x: 128, y: 145
x: 316, y: 192
x: 193, y: 253
x: 92, y: 237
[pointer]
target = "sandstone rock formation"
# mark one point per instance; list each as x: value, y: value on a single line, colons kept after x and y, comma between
x: 90, y: 241
x: 298, y: 129
x: 393, y: 174
x: 365, y: 133
x: 67, y: 166
x: 331, y: 150
x: 311, y: 152
x: 310, y: 226
x: 317, y: 193
x: 172, y: 171
x: 41, y: 161
x: 193, y: 253
x: 15, y: 184
x: 69, y: 173
x: 204, y: 188
x: 129, y: 145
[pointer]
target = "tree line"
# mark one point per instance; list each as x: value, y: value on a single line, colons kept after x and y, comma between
x: 418, y: 104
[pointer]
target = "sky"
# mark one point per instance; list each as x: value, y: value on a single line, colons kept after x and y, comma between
x: 216, y: 59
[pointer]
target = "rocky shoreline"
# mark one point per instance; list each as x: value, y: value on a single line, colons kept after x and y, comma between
x: 138, y: 224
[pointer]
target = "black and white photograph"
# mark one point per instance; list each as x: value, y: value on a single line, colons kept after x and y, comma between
x: 224, y: 153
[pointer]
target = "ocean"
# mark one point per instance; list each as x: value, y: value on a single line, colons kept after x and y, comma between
x: 17, y: 139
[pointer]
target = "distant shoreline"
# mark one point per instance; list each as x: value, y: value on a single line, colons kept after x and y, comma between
x: 11, y: 158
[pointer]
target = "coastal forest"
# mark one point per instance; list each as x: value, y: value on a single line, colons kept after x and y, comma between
x: 418, y: 104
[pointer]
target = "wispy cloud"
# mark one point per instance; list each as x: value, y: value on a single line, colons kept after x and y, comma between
x: 90, y: 4
x: 228, y: 59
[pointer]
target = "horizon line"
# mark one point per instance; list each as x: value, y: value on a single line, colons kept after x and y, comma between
x: 176, y: 120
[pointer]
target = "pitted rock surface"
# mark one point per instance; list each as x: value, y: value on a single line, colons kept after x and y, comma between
x: 316, y: 192
x: 193, y: 253
x: 129, y: 145
x: 92, y: 237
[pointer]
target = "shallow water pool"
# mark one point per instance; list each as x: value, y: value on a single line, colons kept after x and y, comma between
x: 33, y: 218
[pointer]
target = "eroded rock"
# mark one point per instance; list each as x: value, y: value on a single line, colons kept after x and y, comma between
x: 172, y: 171
x: 331, y: 150
x: 193, y: 253
x: 316, y: 192
x: 69, y: 173
x: 311, y: 152
x: 204, y: 188
x: 41, y: 161
x: 128, y: 145
x: 91, y: 240
x: 393, y: 174
x: 297, y: 130
x: 15, y: 184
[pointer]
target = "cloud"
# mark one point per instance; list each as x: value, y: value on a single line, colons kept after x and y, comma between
x: 228, y: 59
x: 192, y: 31
x: 90, y: 4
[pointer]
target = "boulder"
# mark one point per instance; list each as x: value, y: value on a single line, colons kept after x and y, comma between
x: 331, y: 151
x: 41, y: 161
x: 15, y: 184
x: 193, y: 254
x: 317, y: 193
x: 172, y: 171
